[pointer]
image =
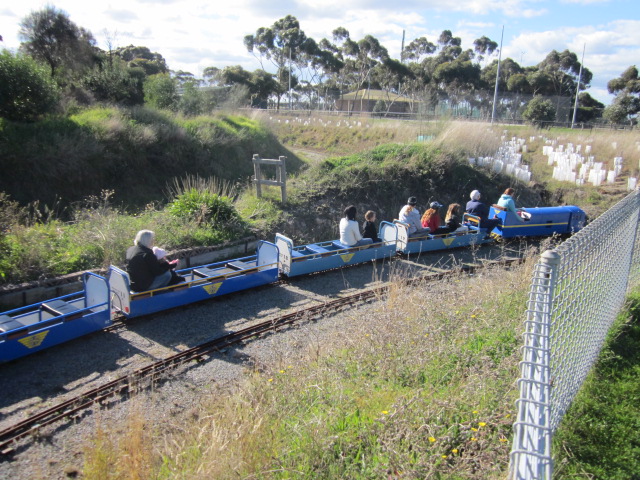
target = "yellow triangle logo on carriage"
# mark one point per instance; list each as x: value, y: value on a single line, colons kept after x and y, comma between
x: 212, y: 288
x: 34, y: 341
x: 346, y: 257
x: 448, y: 241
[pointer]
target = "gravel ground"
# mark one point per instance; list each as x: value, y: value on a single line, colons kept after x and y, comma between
x: 55, y: 375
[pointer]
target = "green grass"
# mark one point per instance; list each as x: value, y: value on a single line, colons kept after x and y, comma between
x: 599, y: 437
x: 136, y: 152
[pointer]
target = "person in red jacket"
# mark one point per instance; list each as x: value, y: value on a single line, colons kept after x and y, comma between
x: 431, y: 220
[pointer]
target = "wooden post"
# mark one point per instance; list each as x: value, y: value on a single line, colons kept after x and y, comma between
x: 281, y: 175
x: 282, y: 170
x: 257, y: 174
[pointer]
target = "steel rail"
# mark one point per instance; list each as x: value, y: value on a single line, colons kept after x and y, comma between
x: 129, y: 383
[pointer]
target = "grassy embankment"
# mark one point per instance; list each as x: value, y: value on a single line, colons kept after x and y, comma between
x: 87, y: 183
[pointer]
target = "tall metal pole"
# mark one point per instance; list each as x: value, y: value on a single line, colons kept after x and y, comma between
x: 575, y: 104
x: 290, y: 108
x: 495, y: 92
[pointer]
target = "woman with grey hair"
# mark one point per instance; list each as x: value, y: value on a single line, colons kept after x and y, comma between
x: 481, y: 210
x: 145, y: 270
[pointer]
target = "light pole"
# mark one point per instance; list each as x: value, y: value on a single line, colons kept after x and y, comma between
x: 495, y: 92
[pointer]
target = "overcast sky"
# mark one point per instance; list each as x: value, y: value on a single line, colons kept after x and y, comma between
x: 194, y: 34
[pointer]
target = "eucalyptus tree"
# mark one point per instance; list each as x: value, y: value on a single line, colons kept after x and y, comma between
x: 281, y: 44
x: 484, y: 46
x: 211, y: 75
x: 418, y: 49
x: 563, y: 69
x: 50, y: 36
x: 626, y: 104
x: 361, y: 58
x: 142, y: 57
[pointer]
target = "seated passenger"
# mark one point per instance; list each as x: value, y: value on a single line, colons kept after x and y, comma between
x: 145, y: 271
x: 369, y: 227
x: 161, y: 255
x: 479, y: 209
x: 350, y: 231
x: 410, y: 215
x: 453, y: 220
x: 506, y: 201
x: 431, y: 220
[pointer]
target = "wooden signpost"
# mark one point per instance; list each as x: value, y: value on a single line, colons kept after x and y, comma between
x: 281, y: 174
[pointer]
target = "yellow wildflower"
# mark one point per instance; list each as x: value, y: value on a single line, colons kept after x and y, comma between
x: 270, y: 380
x: 482, y: 424
x: 384, y: 412
x: 473, y: 429
x: 454, y: 451
x: 431, y: 439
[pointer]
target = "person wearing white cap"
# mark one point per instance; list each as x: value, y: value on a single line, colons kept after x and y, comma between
x: 410, y: 215
x: 481, y: 210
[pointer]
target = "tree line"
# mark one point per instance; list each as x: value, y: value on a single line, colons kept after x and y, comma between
x: 59, y: 67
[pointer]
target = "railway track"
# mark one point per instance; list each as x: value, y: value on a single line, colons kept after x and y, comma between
x: 129, y: 384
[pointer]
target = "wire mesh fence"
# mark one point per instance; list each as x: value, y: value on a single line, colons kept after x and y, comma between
x: 576, y: 293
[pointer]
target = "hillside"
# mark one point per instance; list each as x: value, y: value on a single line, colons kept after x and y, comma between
x: 134, y: 152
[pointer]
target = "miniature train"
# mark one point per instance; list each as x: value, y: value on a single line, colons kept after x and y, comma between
x: 36, y: 327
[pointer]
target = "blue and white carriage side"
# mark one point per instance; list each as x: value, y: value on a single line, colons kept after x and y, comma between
x: 462, y: 237
x: 316, y: 257
x: 42, y: 325
x: 203, y: 282
x: 538, y: 221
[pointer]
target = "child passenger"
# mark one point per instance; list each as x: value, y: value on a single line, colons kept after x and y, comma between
x: 369, y: 227
x: 350, y: 231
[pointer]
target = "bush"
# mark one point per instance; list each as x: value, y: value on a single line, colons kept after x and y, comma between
x: 539, y: 111
x: 27, y: 88
x: 160, y: 92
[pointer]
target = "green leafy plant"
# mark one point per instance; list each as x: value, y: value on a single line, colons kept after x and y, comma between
x: 204, y: 201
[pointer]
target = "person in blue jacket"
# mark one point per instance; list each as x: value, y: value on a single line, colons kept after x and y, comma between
x: 506, y: 201
x: 481, y: 210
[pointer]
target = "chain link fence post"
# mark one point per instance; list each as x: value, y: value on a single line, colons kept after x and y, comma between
x: 531, y: 431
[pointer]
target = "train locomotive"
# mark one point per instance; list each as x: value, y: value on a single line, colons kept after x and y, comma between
x: 39, y: 326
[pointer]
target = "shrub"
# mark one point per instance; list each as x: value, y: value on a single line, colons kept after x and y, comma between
x: 539, y: 111
x: 160, y: 91
x: 204, y: 201
x: 27, y: 88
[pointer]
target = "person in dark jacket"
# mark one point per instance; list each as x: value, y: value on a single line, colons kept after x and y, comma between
x: 479, y: 209
x: 369, y: 227
x: 146, y: 272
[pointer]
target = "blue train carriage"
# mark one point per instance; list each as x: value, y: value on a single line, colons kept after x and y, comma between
x: 316, y: 257
x: 35, y: 327
x: 202, y: 283
x: 538, y: 221
x: 462, y: 237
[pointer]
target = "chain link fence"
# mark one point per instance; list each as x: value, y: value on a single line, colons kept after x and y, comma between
x: 576, y: 293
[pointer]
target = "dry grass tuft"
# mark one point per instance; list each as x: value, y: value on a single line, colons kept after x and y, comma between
x: 122, y: 452
x: 477, y: 140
